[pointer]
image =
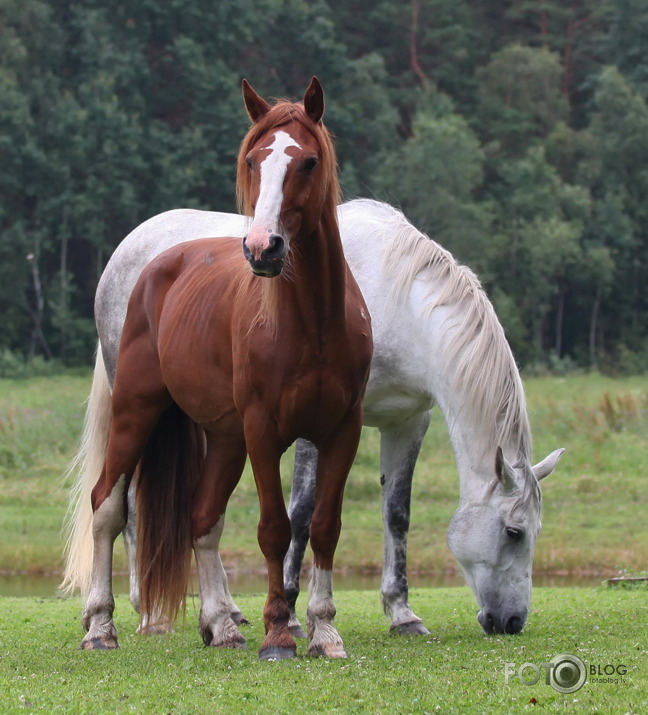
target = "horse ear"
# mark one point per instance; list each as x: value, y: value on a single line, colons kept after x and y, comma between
x: 314, y: 100
x: 256, y: 106
x: 505, y: 472
x: 543, y: 469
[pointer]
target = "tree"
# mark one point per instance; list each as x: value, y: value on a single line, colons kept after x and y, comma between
x: 520, y: 99
x: 434, y: 176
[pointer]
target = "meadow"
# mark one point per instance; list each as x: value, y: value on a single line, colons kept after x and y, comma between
x: 457, y: 669
x: 594, y: 504
x: 594, y: 523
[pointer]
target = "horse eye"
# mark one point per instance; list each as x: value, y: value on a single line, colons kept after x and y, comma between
x: 310, y: 164
x: 514, y: 534
x: 250, y: 163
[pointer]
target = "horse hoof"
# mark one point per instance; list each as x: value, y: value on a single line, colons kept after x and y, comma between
x: 233, y: 641
x: 159, y: 629
x: 327, y: 650
x: 240, y: 619
x: 277, y: 653
x: 99, y: 644
x: 413, y: 628
x: 297, y: 631
x: 241, y: 645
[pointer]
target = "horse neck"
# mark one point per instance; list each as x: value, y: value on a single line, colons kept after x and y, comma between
x: 314, y: 290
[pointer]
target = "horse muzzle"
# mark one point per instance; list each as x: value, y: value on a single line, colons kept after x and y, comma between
x: 266, y: 258
x: 506, y: 622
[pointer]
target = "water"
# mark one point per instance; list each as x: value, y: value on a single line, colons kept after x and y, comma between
x: 255, y: 582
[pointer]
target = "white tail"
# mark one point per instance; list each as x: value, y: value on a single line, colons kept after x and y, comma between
x: 86, y: 468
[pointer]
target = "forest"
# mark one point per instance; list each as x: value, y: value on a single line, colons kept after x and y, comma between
x: 514, y: 132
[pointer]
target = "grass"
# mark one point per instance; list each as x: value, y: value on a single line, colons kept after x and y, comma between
x: 594, y: 502
x: 457, y: 669
x: 593, y: 521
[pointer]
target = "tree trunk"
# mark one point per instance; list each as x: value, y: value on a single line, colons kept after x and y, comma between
x: 64, y: 289
x: 559, y: 322
x: 37, y: 314
x: 593, y: 326
x: 414, y: 60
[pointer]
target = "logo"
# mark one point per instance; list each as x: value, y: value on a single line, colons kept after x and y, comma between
x: 565, y: 673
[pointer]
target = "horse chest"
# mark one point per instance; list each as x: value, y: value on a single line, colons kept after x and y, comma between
x: 311, y: 404
x: 304, y: 394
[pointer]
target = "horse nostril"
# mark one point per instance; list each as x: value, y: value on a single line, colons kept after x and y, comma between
x: 514, y: 625
x: 486, y: 621
x: 275, y: 248
x: 246, y: 251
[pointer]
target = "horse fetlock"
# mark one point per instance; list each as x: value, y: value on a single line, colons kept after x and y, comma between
x: 239, y: 618
x: 324, y: 640
x: 323, y: 610
x: 97, y: 612
x: 294, y: 626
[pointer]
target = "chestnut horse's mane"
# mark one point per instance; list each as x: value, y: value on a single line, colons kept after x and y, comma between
x: 282, y: 113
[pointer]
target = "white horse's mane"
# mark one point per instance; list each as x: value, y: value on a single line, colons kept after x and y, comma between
x: 486, y: 375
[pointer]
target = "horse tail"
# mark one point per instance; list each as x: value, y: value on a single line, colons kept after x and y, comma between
x: 169, y: 471
x: 85, y: 470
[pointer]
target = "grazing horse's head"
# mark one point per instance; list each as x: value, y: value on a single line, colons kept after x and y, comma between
x: 493, y: 537
x: 286, y: 175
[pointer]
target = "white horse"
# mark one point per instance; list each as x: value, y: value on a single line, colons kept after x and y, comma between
x: 437, y: 341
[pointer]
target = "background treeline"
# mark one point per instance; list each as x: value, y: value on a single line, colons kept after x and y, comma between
x: 515, y: 132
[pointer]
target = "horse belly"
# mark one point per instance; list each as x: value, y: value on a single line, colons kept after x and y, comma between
x: 394, y: 394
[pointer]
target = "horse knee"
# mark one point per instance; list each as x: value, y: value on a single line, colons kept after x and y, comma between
x: 324, y: 534
x: 273, y: 535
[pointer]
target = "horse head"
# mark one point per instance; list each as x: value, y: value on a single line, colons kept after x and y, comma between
x: 493, y: 538
x: 285, y: 169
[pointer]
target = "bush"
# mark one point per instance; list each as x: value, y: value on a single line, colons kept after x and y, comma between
x: 14, y: 366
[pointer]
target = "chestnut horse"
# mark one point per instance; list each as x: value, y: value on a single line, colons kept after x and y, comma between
x: 217, y: 362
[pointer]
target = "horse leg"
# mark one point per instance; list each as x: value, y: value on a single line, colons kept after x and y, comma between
x: 130, y: 545
x: 300, y: 511
x: 157, y: 624
x: 273, y: 534
x: 335, y: 460
x: 399, y: 450
x: 107, y: 521
x: 129, y: 433
x: 138, y: 400
x: 219, y: 615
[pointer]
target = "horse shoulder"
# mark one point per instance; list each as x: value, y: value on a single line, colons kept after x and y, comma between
x: 155, y: 281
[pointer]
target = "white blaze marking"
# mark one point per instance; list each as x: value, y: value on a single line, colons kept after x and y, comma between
x: 273, y: 171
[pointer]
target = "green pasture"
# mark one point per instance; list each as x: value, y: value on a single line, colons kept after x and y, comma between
x: 594, y: 522
x: 595, y: 503
x: 457, y: 669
